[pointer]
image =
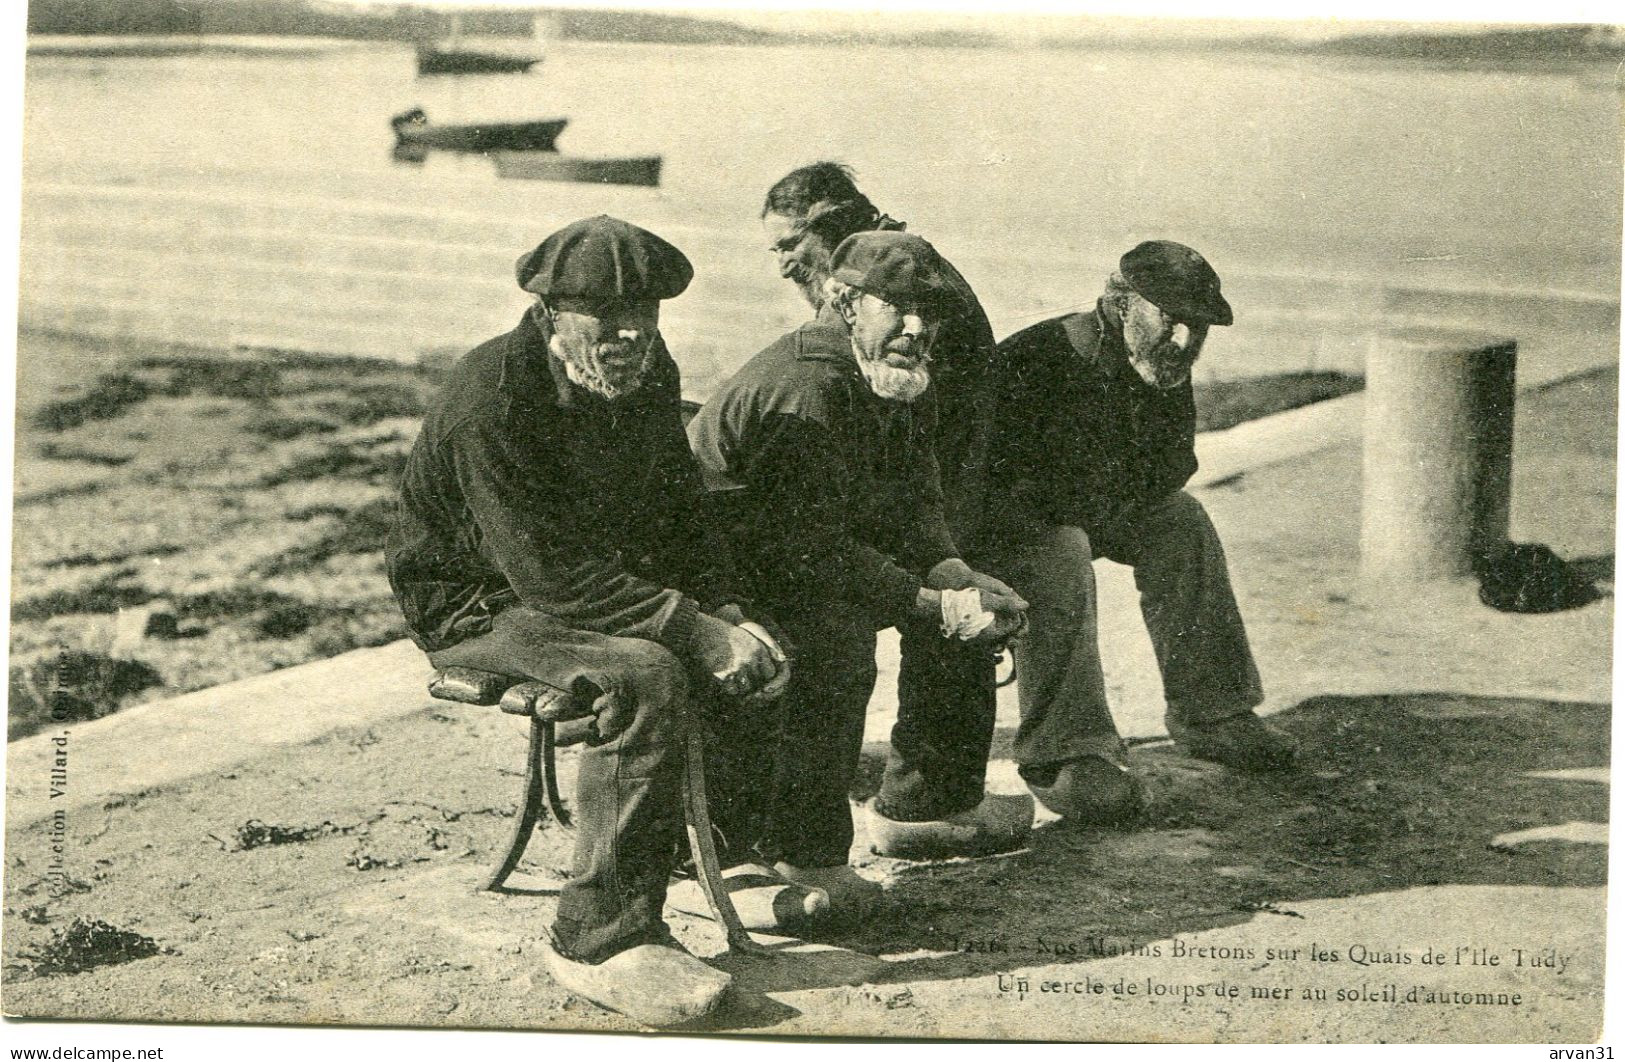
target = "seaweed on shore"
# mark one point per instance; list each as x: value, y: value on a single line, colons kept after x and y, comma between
x: 370, y: 403
x: 232, y: 602
x: 258, y: 377
x: 243, y: 379
x: 109, y: 396
x: 90, y: 560
x: 118, y: 590
x: 55, y: 494
x: 105, y: 595
x: 344, y: 630
x: 88, y: 943
x: 72, y: 686
x: 333, y: 628
x: 339, y: 461
x: 361, y: 530
x: 285, y: 429
x: 54, y: 451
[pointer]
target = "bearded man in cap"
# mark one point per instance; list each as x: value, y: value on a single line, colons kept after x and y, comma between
x: 548, y: 527
x: 818, y: 453
x: 805, y: 216
x: 1093, y: 443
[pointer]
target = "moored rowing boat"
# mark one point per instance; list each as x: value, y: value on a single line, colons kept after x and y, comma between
x: 550, y: 166
x: 414, y: 129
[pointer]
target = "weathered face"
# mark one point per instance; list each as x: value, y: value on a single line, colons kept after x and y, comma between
x: 1161, y: 349
x: 893, y: 346
x: 803, y: 255
x: 605, y: 345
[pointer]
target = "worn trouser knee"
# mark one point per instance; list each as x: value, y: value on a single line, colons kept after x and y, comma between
x: 817, y: 736
x: 628, y: 810
x: 1061, y: 687
x: 628, y: 802
x: 1190, y: 611
x: 646, y: 700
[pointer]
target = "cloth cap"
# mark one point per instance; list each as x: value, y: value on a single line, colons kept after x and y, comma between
x: 604, y: 258
x: 1176, y: 280
x: 896, y: 266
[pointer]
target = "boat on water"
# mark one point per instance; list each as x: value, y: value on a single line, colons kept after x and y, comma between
x: 451, y: 57
x: 551, y: 166
x: 414, y: 130
x: 433, y: 60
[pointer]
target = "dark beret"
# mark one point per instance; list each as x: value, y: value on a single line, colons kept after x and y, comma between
x: 1176, y: 280
x: 896, y: 266
x: 604, y: 258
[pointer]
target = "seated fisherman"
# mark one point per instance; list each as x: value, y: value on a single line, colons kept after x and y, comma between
x: 548, y: 528
x: 818, y: 453
x: 806, y: 215
x: 1093, y: 441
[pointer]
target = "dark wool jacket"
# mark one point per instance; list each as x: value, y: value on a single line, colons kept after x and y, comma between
x: 962, y: 389
x: 833, y: 490
x: 1078, y: 438
x: 523, y: 487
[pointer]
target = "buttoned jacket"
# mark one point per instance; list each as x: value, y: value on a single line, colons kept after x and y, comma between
x: 523, y: 487
x: 1078, y: 437
x: 833, y: 490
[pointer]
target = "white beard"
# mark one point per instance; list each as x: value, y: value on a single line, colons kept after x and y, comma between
x: 1161, y: 372
x: 893, y: 383
x: 584, y: 375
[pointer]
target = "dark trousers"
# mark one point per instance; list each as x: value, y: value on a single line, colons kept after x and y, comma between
x: 1186, y: 601
x: 628, y: 802
x: 946, y: 702
x: 780, y: 785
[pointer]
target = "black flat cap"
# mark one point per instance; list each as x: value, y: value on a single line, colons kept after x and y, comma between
x: 896, y: 266
x: 604, y: 258
x: 1176, y: 280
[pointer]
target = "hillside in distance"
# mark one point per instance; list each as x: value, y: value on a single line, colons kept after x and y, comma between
x: 1486, y: 46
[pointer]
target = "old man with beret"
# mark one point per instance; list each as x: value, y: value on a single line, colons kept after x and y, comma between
x: 818, y: 452
x: 805, y: 216
x: 1094, y: 440
x: 549, y: 527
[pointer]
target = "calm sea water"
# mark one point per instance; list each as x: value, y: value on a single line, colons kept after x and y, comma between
x: 1013, y: 162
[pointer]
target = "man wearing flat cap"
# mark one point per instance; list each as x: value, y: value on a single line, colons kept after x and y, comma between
x: 806, y: 215
x: 818, y: 452
x: 1093, y: 442
x: 548, y: 527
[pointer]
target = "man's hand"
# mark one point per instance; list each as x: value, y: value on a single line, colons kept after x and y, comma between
x: 951, y: 574
x: 955, y: 574
x: 741, y: 662
x: 1009, y: 617
x: 781, y: 674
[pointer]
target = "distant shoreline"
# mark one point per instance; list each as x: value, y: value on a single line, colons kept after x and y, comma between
x: 1506, y: 48
x: 149, y: 45
x: 1598, y: 65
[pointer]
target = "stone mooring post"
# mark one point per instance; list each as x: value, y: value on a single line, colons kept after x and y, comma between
x: 1438, y: 454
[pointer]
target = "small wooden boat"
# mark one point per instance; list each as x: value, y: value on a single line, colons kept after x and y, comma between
x: 432, y: 60
x: 413, y: 130
x: 448, y: 56
x: 551, y: 166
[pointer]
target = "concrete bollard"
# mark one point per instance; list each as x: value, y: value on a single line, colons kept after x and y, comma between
x: 1438, y: 453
